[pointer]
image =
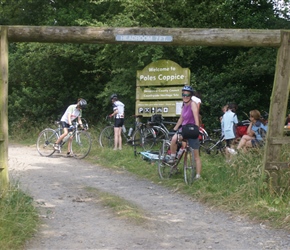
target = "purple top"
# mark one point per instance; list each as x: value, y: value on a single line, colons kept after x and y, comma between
x: 187, y: 115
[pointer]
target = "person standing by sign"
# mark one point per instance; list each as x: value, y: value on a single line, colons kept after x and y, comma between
x: 118, y: 113
x: 189, y: 115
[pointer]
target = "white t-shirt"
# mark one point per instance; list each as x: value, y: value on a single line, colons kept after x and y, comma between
x: 73, y: 112
x: 196, y: 99
x: 117, y: 105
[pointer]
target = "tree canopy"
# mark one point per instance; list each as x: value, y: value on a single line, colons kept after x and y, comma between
x: 45, y: 78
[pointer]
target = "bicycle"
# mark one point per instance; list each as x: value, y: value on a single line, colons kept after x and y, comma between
x: 139, y: 136
x: 212, y: 147
x: 203, y: 135
x: 81, y: 140
x: 159, y: 125
x: 167, y: 170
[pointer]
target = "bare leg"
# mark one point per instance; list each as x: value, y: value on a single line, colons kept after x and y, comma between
x: 197, y: 161
x: 173, y: 145
x: 69, y: 144
x: 244, y: 140
x: 118, y: 138
x: 65, y: 132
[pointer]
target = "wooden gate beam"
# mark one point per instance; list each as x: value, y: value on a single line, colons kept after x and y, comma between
x: 3, y: 107
x: 160, y: 36
x: 137, y: 35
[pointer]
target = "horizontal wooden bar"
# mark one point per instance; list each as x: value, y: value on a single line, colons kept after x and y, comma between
x: 180, y: 36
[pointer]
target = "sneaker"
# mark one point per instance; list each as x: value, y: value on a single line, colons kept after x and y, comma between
x: 197, y: 176
x: 170, y: 160
x: 56, y: 146
x: 232, y: 151
x: 69, y: 154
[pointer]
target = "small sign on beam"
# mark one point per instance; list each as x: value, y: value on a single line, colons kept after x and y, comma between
x: 143, y: 38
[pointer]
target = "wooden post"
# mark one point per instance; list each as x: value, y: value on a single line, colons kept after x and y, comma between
x: 278, y: 109
x: 3, y: 108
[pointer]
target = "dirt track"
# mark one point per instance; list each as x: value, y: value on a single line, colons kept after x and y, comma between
x: 73, y: 220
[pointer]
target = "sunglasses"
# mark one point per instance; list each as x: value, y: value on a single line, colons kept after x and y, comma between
x: 186, y: 95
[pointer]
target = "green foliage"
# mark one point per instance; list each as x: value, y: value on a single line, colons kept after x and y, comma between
x: 18, y: 218
x: 45, y: 78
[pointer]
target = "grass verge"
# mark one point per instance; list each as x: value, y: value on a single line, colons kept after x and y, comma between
x: 119, y: 206
x: 18, y: 218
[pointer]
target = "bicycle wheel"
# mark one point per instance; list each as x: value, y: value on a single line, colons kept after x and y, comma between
x: 144, y: 138
x: 81, y: 144
x: 106, y: 138
x: 189, y: 167
x: 45, y: 142
x: 209, y: 147
x: 164, y: 169
x: 222, y: 147
x: 161, y: 135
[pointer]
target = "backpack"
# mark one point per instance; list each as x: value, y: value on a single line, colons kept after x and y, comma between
x: 261, y: 129
x: 262, y: 132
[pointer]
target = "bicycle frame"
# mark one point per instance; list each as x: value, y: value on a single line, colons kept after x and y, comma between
x: 125, y: 135
x: 81, y: 145
x: 222, y: 138
x: 160, y: 130
x: 189, y: 166
x: 141, y: 135
x: 74, y: 135
x: 212, y: 147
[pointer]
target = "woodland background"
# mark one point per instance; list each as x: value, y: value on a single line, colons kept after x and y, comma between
x: 45, y: 78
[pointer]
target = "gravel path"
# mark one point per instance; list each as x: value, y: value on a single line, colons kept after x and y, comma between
x: 73, y: 220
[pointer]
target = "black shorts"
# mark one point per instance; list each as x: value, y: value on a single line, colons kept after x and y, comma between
x: 119, y: 122
x: 64, y: 124
x: 229, y: 142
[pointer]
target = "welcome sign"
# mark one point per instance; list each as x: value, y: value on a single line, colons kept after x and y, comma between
x: 159, y: 88
x: 163, y: 73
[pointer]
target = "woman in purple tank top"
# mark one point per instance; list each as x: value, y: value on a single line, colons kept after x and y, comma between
x: 189, y: 115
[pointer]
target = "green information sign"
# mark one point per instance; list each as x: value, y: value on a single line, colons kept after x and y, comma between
x: 160, y: 93
x: 159, y: 88
x: 166, y: 109
x: 163, y: 73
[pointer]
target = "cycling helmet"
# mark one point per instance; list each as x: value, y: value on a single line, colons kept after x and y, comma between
x: 114, y: 96
x: 188, y: 88
x: 82, y: 103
